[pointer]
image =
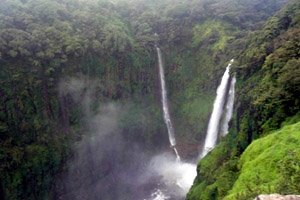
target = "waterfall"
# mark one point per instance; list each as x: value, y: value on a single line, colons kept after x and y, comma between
x: 165, y: 106
x: 176, y: 153
x: 229, y: 107
x: 213, y: 125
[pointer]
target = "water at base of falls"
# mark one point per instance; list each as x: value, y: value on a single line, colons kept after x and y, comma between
x: 158, y: 195
x: 176, y: 177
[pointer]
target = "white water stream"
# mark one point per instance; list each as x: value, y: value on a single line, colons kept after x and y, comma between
x: 177, y: 172
x: 229, y: 107
x: 214, y: 122
x: 165, y: 105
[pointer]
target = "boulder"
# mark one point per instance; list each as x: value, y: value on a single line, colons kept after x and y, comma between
x: 277, y: 197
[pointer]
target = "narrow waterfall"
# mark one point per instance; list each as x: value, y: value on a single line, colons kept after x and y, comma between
x: 176, y: 153
x: 229, y: 107
x: 213, y: 126
x: 165, y: 106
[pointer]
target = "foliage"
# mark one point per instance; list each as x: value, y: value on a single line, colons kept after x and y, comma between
x: 267, y: 95
x: 110, y: 45
x: 212, y: 34
x: 270, y: 164
x: 217, y: 173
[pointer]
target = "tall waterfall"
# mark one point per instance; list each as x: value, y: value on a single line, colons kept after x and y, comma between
x: 229, y: 107
x: 165, y: 106
x: 213, y: 126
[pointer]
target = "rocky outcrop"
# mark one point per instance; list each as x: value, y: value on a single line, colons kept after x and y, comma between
x: 277, y: 197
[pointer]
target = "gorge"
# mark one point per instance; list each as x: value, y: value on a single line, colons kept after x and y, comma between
x: 140, y: 100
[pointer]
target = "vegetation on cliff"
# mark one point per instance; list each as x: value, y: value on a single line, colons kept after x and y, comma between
x: 267, y: 94
x: 269, y: 165
x: 61, y: 60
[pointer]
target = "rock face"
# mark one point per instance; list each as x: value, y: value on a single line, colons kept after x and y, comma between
x: 277, y: 197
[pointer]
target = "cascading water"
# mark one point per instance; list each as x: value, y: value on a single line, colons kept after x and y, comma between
x: 165, y: 106
x: 175, y: 177
x: 176, y: 153
x: 213, y: 126
x: 229, y: 107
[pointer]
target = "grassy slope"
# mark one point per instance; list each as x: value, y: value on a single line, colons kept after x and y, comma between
x: 263, y: 164
x: 270, y: 164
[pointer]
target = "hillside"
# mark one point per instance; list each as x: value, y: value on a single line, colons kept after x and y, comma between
x: 80, y: 108
x: 268, y: 93
x: 268, y: 165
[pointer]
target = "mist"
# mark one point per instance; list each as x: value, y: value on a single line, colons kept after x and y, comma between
x: 105, y: 164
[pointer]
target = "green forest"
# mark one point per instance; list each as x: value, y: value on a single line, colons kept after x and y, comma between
x: 81, y: 112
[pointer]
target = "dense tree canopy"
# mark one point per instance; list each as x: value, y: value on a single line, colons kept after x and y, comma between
x: 110, y: 47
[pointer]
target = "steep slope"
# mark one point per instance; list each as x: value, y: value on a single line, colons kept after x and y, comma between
x: 270, y: 165
x: 267, y: 94
x: 62, y: 61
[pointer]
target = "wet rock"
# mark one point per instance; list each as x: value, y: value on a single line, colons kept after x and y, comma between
x: 277, y: 197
